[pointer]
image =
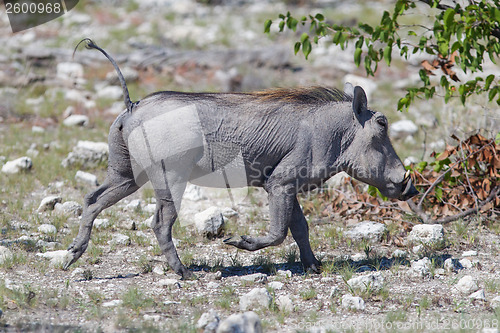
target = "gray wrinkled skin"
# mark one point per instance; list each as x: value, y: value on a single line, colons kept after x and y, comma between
x: 284, y: 141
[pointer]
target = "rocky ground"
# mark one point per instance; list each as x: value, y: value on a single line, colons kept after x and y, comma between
x: 384, y: 275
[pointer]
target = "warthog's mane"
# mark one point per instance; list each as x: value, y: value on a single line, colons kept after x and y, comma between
x: 307, y: 95
x: 315, y: 95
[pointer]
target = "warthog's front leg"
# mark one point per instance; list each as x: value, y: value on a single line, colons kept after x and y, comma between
x: 281, y: 204
x: 300, y: 233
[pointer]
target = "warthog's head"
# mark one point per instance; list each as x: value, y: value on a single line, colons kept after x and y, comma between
x: 370, y: 156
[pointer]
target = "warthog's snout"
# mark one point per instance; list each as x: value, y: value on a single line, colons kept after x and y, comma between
x: 409, y: 191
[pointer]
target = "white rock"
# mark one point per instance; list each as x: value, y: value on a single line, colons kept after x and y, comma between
x: 478, y: 295
x: 284, y: 303
x: 353, y: 302
x: 57, y: 258
x: 120, y: 239
x: 466, y: 285
x: 88, y: 154
x: 101, y: 223
x: 213, y: 285
x: 209, y: 222
x: 256, y: 277
x: 69, y: 208
x: 149, y: 208
x: 276, y: 285
x: 401, y: 254
x: 69, y: 70
x: 149, y: 222
x: 372, y: 281
x: 129, y: 74
x: 49, y: 202
x: 418, y: 249
x: 46, y: 245
x: 158, y: 270
x: 471, y: 253
x: 402, y: 129
x: 369, y: 86
x: 76, y: 120
x: 466, y: 263
x: 257, y: 297
x: 86, y: 178
x: 112, y: 303
x: 208, y: 321
x: 358, y: 257
x: 37, y: 129
x: 286, y: 273
x: 5, y: 254
x: 429, y: 234
x: 47, y: 229
x: 148, y: 317
x: 333, y: 292
x: 110, y: 92
x: 368, y: 230
x: 421, y: 267
x: 410, y: 160
x: 193, y: 193
x: 449, y: 265
x: 133, y: 205
x: 169, y: 283
x: 495, y: 302
x: 17, y: 165
x: 229, y: 212
x: 77, y: 272
x: 247, y: 322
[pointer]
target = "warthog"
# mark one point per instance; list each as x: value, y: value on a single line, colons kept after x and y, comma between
x: 285, y: 141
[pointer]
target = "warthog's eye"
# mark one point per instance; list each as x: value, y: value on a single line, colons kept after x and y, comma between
x: 382, y: 122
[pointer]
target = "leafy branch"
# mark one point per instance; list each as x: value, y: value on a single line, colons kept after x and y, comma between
x: 461, y: 38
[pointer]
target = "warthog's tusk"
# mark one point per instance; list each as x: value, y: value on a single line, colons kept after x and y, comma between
x: 407, y: 176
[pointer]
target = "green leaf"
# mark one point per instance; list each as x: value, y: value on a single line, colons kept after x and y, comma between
x: 319, y: 17
x: 267, y: 26
x: 306, y: 48
x: 282, y: 25
x: 492, y: 93
x: 488, y: 81
x: 336, y: 38
x: 357, y: 56
x: 297, y: 47
x: 403, y: 102
x: 439, y: 193
x: 304, y: 37
x: 292, y: 23
x: 421, y: 166
x: 366, y: 28
x: 448, y: 17
x: 387, y: 54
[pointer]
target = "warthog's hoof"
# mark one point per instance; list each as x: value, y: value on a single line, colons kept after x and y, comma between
x: 187, y: 275
x: 242, y: 242
x: 314, y: 268
x: 69, y: 259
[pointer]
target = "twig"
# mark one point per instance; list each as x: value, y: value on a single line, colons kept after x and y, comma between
x: 493, y: 195
x: 441, y: 177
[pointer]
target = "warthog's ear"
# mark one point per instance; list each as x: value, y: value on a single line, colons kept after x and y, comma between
x: 359, y: 102
x: 349, y: 89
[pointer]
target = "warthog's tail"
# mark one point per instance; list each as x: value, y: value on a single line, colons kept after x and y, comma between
x: 91, y: 45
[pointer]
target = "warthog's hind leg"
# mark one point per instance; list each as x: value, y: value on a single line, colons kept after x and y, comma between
x: 106, y: 195
x: 164, y: 219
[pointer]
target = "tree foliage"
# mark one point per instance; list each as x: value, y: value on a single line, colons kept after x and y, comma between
x: 460, y: 39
